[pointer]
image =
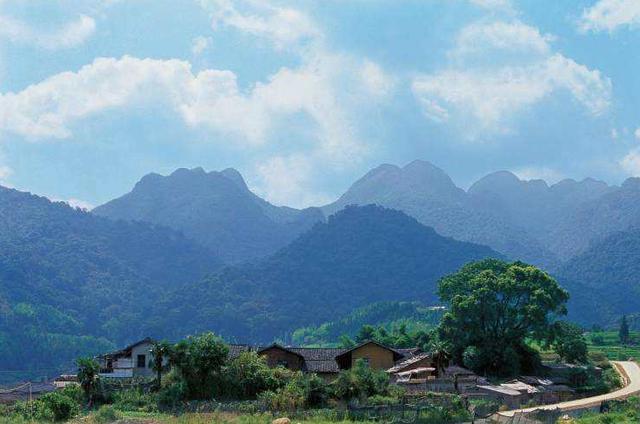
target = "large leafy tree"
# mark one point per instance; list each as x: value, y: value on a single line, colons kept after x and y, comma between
x: 569, y: 342
x: 494, y: 307
x: 199, y: 360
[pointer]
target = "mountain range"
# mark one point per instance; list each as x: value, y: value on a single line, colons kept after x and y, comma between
x: 216, y: 209
x: 196, y: 250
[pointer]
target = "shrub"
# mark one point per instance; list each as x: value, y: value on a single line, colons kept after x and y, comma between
x: 134, y: 400
x: 61, y: 407
x: 360, y: 382
x: 247, y: 375
x: 172, y: 395
x: 106, y: 414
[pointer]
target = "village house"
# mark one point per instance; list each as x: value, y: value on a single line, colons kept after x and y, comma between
x: 327, y: 362
x: 134, y: 360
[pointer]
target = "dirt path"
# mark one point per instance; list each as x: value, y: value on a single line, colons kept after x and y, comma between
x: 630, y: 372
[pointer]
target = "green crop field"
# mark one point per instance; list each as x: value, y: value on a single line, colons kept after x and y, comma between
x: 608, y: 343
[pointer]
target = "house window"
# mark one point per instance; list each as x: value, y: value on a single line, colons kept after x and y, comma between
x: 366, y: 360
x: 142, y: 361
x: 283, y: 363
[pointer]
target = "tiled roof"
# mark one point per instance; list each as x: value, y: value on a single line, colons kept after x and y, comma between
x: 409, y: 361
x: 322, y: 366
x: 317, y: 353
x: 237, y: 349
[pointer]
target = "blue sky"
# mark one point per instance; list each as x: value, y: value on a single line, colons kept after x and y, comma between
x: 305, y: 96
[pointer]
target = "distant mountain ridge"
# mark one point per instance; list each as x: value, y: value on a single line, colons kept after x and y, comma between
x: 216, y: 209
x: 361, y: 255
x: 525, y: 220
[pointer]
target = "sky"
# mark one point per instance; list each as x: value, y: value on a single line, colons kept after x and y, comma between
x: 303, y: 97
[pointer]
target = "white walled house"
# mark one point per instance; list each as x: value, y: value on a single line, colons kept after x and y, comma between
x: 133, y: 361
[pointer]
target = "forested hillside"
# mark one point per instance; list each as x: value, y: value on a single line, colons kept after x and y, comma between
x: 604, y: 280
x: 360, y: 256
x: 73, y: 283
x: 214, y: 208
x: 411, y: 316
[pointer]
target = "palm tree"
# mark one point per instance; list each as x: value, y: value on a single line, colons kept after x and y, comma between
x: 88, y: 370
x: 160, y: 352
x: 441, y: 355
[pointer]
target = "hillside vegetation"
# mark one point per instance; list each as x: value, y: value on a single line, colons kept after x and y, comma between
x: 360, y: 256
x: 72, y: 283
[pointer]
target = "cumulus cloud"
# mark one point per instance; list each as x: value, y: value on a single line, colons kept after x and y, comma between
x: 70, y: 35
x: 609, y: 15
x: 200, y: 44
x: 281, y: 25
x: 211, y: 97
x: 485, y: 96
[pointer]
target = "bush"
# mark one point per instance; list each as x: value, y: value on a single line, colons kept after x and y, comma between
x: 135, y: 400
x: 247, y: 375
x: 172, y: 395
x: 360, y: 382
x: 61, y: 407
x: 106, y: 414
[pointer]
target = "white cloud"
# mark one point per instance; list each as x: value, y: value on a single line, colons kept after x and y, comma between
x: 505, y: 36
x: 375, y: 80
x: 549, y: 175
x: 631, y: 162
x: 71, y: 35
x: 76, y: 203
x: 637, y: 133
x: 288, y: 180
x: 200, y: 44
x: 211, y: 99
x: 282, y: 25
x: 614, y: 134
x: 5, y: 172
x: 492, y: 4
x: 609, y: 15
x: 486, y: 96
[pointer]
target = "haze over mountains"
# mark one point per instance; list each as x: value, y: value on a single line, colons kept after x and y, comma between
x: 197, y: 251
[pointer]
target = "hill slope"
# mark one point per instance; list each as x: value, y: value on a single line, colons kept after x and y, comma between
x: 216, y: 209
x: 360, y: 256
x: 604, y: 280
x: 70, y: 280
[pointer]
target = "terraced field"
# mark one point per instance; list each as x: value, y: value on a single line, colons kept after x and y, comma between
x: 608, y: 343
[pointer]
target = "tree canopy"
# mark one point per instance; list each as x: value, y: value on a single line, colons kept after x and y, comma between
x: 494, y: 308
